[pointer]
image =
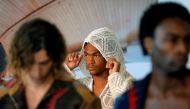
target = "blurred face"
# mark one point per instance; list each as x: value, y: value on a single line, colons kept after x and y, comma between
x: 41, y: 66
x: 171, y: 45
x: 96, y: 64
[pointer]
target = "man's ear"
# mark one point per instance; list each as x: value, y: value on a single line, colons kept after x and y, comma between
x: 148, y: 44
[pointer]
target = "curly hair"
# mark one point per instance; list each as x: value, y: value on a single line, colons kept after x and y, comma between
x: 33, y: 36
x: 157, y: 13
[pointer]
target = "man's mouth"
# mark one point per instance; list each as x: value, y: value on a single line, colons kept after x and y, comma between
x: 91, y: 68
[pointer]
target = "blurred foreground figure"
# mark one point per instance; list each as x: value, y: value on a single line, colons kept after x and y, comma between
x: 165, y: 36
x: 36, y: 56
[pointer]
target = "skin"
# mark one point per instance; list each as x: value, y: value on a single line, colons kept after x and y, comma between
x: 98, y: 67
x: 172, y: 41
x: 38, y: 78
x: 95, y: 62
x: 169, y: 86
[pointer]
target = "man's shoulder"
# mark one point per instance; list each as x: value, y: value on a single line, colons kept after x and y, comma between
x: 137, y: 86
x: 64, y: 77
x: 142, y: 82
x: 137, y: 91
x: 78, y: 88
x: 90, y: 101
x: 82, y: 90
x: 122, y: 101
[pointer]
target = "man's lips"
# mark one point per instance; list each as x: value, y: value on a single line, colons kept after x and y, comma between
x: 91, y: 68
x: 181, y: 59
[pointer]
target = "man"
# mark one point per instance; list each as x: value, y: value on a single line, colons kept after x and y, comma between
x: 102, y: 62
x: 36, y: 56
x: 165, y: 35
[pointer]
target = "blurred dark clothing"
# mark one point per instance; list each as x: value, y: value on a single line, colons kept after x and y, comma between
x: 135, y: 97
x: 63, y: 94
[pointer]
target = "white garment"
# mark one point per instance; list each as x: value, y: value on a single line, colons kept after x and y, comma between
x: 107, y: 43
x: 117, y: 84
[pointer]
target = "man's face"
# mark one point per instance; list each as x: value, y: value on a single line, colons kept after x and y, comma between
x: 96, y: 63
x: 171, y: 45
x: 41, y: 66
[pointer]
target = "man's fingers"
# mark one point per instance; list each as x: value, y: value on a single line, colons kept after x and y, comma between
x: 112, y: 62
x: 75, y: 56
x: 80, y: 57
x: 111, y: 65
x: 72, y: 57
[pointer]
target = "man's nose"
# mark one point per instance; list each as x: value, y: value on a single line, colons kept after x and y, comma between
x: 36, y: 68
x: 183, y: 47
x: 91, y: 59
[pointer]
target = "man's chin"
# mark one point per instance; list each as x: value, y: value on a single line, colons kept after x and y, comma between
x: 38, y: 79
x: 92, y: 72
x: 177, y: 71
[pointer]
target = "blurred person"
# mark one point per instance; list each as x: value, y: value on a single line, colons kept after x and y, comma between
x: 36, y: 56
x: 165, y: 36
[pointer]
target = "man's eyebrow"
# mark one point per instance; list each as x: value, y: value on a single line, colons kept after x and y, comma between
x: 96, y: 52
x: 172, y: 34
x: 44, y: 61
x: 177, y: 36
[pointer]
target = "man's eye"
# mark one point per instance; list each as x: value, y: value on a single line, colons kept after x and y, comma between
x: 173, y: 40
x: 187, y: 40
x: 85, y: 55
x: 32, y: 63
x: 45, y: 62
x: 97, y: 56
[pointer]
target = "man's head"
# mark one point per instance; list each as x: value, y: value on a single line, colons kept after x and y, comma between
x: 95, y: 62
x: 37, y: 44
x: 105, y: 43
x: 165, y: 34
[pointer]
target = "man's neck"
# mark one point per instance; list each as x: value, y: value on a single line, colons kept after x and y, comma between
x: 31, y: 84
x: 102, y: 78
x: 99, y: 82
x: 35, y: 91
x: 164, y: 82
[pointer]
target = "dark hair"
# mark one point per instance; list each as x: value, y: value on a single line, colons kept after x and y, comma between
x: 157, y: 13
x: 33, y: 36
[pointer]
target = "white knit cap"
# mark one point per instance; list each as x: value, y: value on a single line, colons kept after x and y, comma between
x: 108, y: 45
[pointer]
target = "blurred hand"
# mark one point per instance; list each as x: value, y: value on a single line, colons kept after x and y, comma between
x: 113, y: 65
x: 73, y: 60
